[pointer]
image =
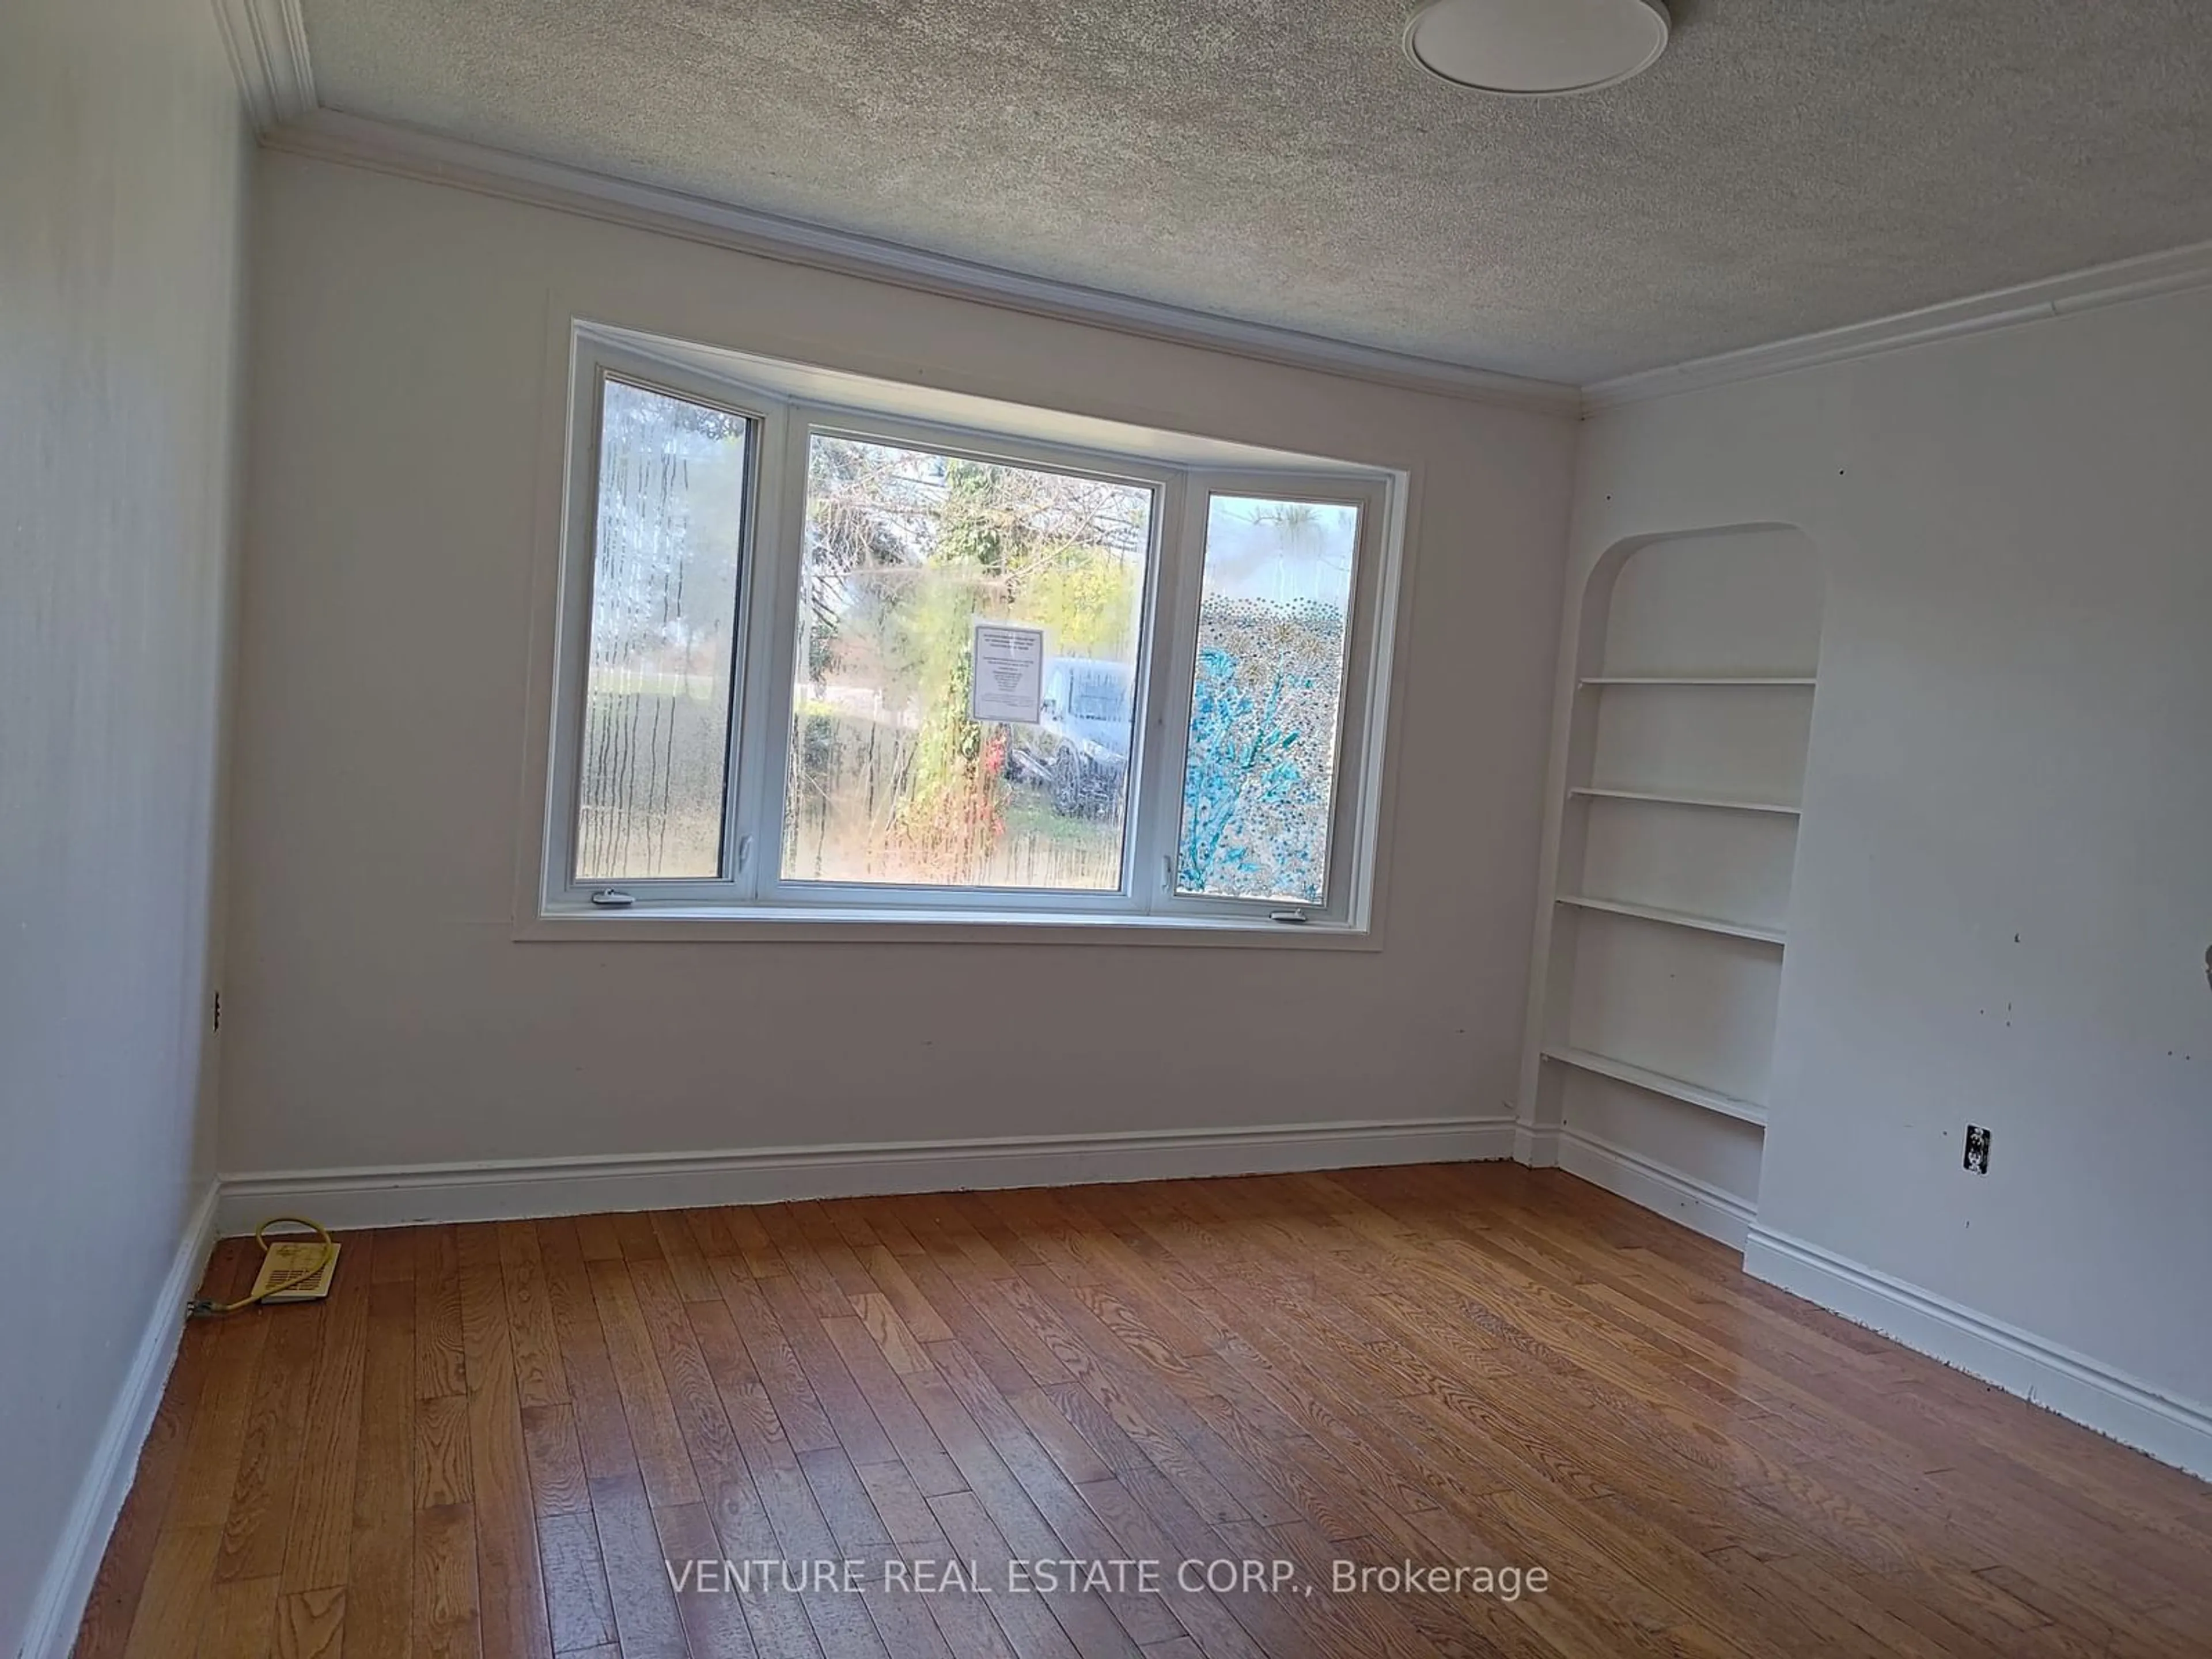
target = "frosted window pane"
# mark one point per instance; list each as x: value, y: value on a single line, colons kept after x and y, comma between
x: 670, y: 528
x: 1260, y: 779
x: 890, y: 780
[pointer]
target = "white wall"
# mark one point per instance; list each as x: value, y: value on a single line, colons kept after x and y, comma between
x: 121, y: 200
x: 2003, y: 888
x: 386, y: 1014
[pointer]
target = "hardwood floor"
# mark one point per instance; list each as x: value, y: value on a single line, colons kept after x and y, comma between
x: 494, y: 1439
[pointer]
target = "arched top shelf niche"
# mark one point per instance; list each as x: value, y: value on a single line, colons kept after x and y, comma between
x: 1687, y: 718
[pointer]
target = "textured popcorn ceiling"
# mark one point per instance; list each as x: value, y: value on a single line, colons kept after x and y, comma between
x: 1789, y: 165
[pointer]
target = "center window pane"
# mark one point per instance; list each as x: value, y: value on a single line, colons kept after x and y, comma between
x: 892, y: 778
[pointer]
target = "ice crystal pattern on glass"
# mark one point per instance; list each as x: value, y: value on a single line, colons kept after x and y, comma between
x: 670, y: 527
x: 1266, y: 699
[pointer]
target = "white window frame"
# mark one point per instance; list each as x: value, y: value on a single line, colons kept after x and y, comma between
x: 751, y: 887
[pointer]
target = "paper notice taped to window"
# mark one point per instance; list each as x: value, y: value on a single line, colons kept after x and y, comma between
x: 1008, y: 683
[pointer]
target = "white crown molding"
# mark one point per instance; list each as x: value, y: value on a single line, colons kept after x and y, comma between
x: 268, y: 44
x: 2171, y: 1430
x: 2173, y: 271
x: 402, y: 1194
x: 59, y: 1604
x: 386, y: 147
x: 1697, y: 1204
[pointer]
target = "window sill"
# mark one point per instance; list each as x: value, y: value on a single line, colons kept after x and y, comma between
x: 881, y: 927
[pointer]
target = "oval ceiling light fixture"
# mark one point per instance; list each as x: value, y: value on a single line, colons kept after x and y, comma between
x: 1537, y: 48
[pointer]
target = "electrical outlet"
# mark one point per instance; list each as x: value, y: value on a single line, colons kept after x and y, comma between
x: 1977, y: 1150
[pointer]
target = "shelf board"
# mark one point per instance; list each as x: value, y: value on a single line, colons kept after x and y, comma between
x: 1691, y: 1094
x: 1674, y: 918
x: 1666, y: 798
x: 1696, y: 679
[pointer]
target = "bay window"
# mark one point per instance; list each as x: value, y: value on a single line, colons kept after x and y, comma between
x: 832, y: 648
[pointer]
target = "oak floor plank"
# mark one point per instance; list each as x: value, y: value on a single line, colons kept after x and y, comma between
x: 851, y: 1422
x: 713, y: 1619
x: 735, y: 1508
x: 1171, y: 1433
x: 755, y: 1249
x: 1083, y: 1613
x: 902, y: 1508
x: 179, y: 1583
x: 557, y: 1482
x: 893, y: 1405
x: 710, y: 1231
x: 540, y: 1379
x: 317, y: 1548
x: 774, y: 1362
x: 633, y: 1231
x: 441, y: 1450
x: 241, y: 1619
x: 380, y: 1566
x: 486, y: 1333
x: 679, y: 1249
x: 891, y: 1278
x: 650, y: 1414
x: 579, y: 1613
x: 597, y: 1239
x: 217, y: 1436
x: 971, y: 1322
x: 602, y: 1427
x: 647, y: 1623
x: 840, y: 1621
x: 800, y: 1243
x: 701, y: 1419
x: 902, y: 1348
x: 736, y: 1443
x: 744, y: 1396
x: 1137, y: 1536
x: 444, y: 1622
x: 314, y: 1625
x: 393, y: 1259
x: 1078, y: 1458
x: 439, y: 1368
x: 511, y: 1606
x: 1026, y: 1622
x: 254, y: 1526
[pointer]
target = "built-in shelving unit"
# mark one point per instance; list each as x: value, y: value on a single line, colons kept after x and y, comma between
x: 1683, y: 733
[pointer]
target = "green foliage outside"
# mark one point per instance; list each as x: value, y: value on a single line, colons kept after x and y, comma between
x: 906, y: 550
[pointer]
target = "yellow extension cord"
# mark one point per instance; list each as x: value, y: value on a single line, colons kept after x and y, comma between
x: 201, y: 1308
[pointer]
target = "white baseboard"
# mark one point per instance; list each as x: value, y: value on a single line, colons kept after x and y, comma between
x: 398, y: 1195
x: 2173, y: 1431
x: 68, y: 1582
x: 1697, y: 1204
x: 1536, y: 1146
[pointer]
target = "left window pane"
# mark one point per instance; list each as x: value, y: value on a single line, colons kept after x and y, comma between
x: 668, y: 544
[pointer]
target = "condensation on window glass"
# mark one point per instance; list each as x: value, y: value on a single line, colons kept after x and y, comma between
x: 891, y: 781
x: 1267, y: 699
x: 653, y: 770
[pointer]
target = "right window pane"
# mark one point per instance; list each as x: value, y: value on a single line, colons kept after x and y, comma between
x: 1260, y: 783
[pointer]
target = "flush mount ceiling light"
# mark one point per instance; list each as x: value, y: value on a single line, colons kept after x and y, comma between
x: 1535, y: 48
